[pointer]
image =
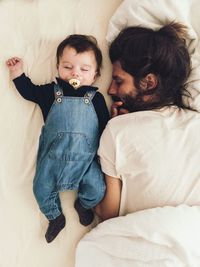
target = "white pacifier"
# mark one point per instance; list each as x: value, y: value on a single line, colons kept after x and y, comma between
x: 75, y: 83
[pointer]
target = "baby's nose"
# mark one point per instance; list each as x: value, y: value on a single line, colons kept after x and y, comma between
x: 75, y: 73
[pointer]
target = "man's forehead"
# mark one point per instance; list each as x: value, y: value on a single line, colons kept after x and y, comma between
x: 117, y: 70
x: 116, y: 65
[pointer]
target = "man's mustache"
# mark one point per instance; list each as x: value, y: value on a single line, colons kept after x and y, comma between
x: 116, y: 98
x: 130, y: 103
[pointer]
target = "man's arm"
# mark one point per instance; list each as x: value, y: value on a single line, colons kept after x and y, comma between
x: 110, y: 204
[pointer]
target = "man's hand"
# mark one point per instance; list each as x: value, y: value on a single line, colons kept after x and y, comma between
x: 15, y: 66
x: 117, y: 109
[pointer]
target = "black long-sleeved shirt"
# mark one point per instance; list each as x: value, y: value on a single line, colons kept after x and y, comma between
x: 44, y: 96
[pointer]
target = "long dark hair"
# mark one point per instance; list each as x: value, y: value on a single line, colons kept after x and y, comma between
x: 162, y: 52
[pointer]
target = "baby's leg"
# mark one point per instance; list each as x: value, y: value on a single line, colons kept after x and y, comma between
x: 90, y: 193
x: 46, y: 196
x: 49, y: 202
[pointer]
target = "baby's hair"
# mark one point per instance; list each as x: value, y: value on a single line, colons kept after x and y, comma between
x: 81, y: 43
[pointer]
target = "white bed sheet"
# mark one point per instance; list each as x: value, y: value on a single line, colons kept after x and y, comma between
x: 32, y: 30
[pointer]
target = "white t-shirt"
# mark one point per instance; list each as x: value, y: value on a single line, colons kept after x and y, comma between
x: 156, y: 154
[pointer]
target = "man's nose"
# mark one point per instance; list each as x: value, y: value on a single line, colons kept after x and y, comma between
x: 112, y: 89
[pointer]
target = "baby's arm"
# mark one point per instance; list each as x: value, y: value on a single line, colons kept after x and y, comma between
x: 27, y: 89
x: 15, y: 66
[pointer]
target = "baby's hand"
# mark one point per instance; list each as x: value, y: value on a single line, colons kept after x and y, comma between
x: 15, y: 66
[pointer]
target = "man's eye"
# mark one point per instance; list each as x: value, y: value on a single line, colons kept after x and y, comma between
x: 118, y: 82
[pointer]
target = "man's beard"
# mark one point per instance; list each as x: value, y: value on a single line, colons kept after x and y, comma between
x: 135, y: 103
x: 131, y: 103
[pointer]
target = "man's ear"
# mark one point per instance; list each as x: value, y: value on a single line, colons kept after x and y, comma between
x: 149, y: 82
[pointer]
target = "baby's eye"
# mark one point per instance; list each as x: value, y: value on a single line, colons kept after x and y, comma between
x: 84, y: 69
x: 68, y: 67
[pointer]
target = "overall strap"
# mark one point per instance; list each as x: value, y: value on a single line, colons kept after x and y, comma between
x: 58, y: 92
x: 89, y: 96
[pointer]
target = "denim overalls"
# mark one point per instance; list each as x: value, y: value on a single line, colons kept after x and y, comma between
x: 67, y: 154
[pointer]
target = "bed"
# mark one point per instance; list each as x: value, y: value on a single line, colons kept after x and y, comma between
x: 32, y: 29
x: 160, y: 236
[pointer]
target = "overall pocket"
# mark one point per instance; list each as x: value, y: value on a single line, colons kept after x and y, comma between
x: 69, y: 146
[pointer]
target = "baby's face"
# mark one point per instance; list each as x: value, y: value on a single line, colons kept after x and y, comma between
x: 80, y: 66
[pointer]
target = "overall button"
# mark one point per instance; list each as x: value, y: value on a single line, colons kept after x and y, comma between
x: 59, y: 99
x: 87, y: 101
x: 89, y: 94
x: 58, y: 93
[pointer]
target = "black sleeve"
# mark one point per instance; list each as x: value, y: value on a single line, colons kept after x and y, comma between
x: 32, y: 92
x: 101, y: 110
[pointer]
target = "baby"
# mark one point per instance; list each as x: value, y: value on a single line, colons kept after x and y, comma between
x: 75, y: 115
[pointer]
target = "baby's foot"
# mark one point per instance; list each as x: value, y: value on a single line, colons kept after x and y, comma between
x: 86, y: 216
x: 54, y: 228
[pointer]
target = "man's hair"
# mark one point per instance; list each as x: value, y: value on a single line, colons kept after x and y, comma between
x: 162, y: 52
x: 81, y: 43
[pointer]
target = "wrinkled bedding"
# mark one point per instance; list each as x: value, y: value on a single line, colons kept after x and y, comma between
x: 32, y: 29
x: 167, y: 237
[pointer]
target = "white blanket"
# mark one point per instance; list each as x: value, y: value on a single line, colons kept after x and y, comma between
x: 160, y: 237
x: 32, y: 29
